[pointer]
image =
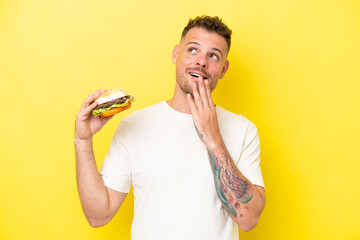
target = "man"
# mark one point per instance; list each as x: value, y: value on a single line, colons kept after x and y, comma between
x: 185, y: 158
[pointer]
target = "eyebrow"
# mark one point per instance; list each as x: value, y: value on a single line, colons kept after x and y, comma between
x: 215, y: 49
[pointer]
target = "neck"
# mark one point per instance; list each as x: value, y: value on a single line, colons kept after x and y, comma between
x: 179, y: 101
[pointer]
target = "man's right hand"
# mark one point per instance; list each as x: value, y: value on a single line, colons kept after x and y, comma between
x: 86, y: 125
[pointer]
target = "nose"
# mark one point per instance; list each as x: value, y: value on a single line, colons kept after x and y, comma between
x: 201, y: 61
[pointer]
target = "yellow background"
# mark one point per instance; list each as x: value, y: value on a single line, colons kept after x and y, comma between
x: 294, y: 72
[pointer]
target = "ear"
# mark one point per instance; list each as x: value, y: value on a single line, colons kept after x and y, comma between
x: 175, y: 53
x: 225, y: 68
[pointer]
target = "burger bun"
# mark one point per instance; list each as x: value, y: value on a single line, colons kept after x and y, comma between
x: 115, y: 110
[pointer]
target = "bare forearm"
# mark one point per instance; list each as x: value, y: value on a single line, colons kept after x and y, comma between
x: 92, y: 191
x: 241, y: 199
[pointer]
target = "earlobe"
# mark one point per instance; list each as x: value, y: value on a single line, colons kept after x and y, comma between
x: 175, y: 53
x: 225, y: 68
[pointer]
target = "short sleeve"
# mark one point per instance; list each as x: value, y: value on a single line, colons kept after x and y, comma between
x: 116, y: 169
x: 249, y: 163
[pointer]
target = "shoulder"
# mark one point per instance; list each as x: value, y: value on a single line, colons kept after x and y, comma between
x: 143, y: 119
x: 146, y: 113
x: 233, y: 120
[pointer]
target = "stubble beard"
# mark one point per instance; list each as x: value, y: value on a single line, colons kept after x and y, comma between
x: 185, y: 86
x: 183, y: 83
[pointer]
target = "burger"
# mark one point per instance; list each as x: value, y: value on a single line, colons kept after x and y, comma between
x: 112, y: 102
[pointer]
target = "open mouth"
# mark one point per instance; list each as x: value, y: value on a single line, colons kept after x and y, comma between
x: 198, y: 76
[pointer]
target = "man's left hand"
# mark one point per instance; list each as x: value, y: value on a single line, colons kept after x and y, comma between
x: 204, y: 114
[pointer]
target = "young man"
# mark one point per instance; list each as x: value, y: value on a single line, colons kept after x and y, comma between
x: 194, y: 166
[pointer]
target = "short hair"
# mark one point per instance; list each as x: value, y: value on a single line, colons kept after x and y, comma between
x: 212, y: 24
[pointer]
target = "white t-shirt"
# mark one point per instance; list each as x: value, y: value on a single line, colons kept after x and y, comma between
x: 158, y: 152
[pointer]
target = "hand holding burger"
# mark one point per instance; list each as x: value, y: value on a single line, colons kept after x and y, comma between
x: 103, y: 103
x: 112, y: 102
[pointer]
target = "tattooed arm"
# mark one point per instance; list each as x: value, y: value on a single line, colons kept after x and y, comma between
x: 242, y: 200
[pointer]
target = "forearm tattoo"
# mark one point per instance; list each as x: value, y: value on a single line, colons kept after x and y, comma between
x: 231, y: 188
x: 198, y: 132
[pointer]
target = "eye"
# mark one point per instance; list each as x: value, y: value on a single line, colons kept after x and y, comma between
x: 214, y: 56
x: 192, y: 50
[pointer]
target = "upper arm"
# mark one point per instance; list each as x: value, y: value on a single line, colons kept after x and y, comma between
x: 115, y: 200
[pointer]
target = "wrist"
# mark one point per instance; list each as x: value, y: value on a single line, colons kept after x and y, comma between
x: 82, y: 141
x: 215, y: 144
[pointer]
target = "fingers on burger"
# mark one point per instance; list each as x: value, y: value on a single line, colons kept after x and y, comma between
x: 112, y: 102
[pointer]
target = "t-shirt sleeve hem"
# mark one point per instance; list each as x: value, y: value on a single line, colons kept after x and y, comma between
x: 261, y: 184
x: 256, y: 180
x: 110, y: 184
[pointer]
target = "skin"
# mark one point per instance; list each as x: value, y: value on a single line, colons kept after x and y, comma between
x: 99, y: 203
x: 200, y: 52
x: 243, y: 201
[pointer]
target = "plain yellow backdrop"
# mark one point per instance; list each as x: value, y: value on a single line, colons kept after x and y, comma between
x: 294, y: 72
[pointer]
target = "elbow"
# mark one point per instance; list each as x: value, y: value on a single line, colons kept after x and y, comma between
x: 249, y: 224
x: 250, y: 221
x: 95, y: 223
